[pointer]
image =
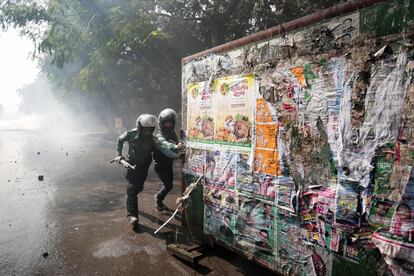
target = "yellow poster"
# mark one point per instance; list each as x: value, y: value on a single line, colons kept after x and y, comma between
x: 200, y: 112
x: 266, y: 155
x: 298, y: 72
x: 266, y: 161
x: 266, y: 136
x: 263, y: 114
x: 234, y: 103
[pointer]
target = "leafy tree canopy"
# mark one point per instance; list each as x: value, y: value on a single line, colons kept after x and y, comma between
x: 116, y: 55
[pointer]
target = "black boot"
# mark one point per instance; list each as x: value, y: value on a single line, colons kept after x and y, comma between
x: 160, y: 205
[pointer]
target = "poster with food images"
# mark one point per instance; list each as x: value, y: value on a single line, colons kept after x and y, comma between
x: 200, y: 115
x: 234, y: 103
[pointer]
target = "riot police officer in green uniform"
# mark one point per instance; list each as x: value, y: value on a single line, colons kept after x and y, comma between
x: 141, y: 143
x: 163, y: 163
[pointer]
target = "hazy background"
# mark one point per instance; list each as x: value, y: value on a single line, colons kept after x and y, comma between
x: 16, y: 70
x: 81, y: 64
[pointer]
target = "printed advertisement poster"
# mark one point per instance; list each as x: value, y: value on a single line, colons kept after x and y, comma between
x: 220, y: 223
x: 255, y: 228
x: 325, y: 205
x: 234, y: 103
x: 402, y: 223
x: 266, y: 136
x: 335, y: 239
x: 325, y: 233
x: 381, y: 212
x: 266, y: 161
x: 307, y: 202
x: 398, y: 252
x: 292, y: 253
x: 244, y: 176
x: 264, y: 113
x: 310, y: 232
x: 219, y: 195
x: 347, y: 203
x: 200, y: 112
x: 286, y: 193
x: 195, y: 159
x: 267, y: 186
x: 320, y: 262
x: 383, y: 169
x: 352, y: 252
x: 221, y: 167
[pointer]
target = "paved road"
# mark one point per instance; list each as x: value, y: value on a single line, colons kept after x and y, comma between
x: 76, y: 215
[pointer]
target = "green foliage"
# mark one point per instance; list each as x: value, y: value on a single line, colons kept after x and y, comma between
x: 21, y: 13
x: 121, y: 54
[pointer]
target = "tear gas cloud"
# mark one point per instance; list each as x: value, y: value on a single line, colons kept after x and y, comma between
x: 27, y: 100
x: 40, y: 108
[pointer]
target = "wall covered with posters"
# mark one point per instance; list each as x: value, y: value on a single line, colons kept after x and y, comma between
x: 306, y: 142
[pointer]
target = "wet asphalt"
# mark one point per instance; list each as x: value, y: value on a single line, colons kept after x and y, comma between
x: 73, y: 221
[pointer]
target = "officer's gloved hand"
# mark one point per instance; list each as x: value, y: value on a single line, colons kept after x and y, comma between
x: 119, y: 158
x: 180, y: 146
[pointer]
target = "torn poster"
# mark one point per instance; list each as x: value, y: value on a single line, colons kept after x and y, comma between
x: 195, y: 161
x: 266, y: 161
x: 221, y: 167
x: 381, y: 212
x: 255, y: 228
x: 266, y: 136
x: 219, y: 222
x: 286, y: 194
x: 347, y: 200
x: 244, y: 176
x: 267, y: 186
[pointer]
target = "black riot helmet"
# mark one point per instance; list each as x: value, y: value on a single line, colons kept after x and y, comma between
x: 167, y: 114
x: 147, y: 121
